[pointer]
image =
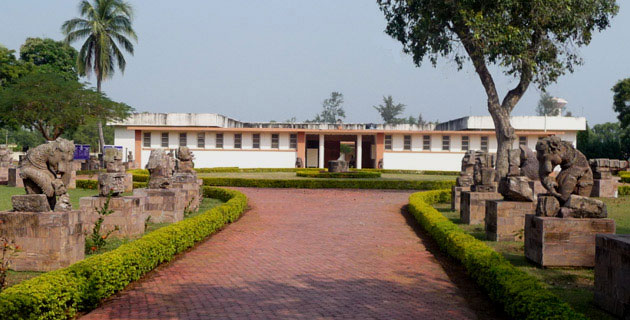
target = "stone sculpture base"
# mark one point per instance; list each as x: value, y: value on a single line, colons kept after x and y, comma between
x: 47, y: 240
x: 473, y: 206
x: 14, y: 178
x: 338, y: 166
x: 190, y: 186
x: 163, y: 205
x: 505, y: 220
x: 4, y: 175
x: 456, y: 195
x: 128, y: 182
x: 604, y: 188
x: 612, y: 273
x: 563, y: 242
x: 72, y: 184
x: 128, y: 215
x: 111, y: 183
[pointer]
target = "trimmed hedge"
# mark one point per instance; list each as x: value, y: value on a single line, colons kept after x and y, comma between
x: 329, y: 183
x: 87, y: 184
x: 521, y: 295
x: 624, y: 190
x: 625, y: 178
x: 326, y: 174
x: 90, y: 172
x: 61, y: 294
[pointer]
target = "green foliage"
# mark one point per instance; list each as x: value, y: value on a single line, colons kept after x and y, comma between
x: 328, y: 183
x: 88, y: 134
x: 51, y: 56
x: 351, y: 174
x: 8, y: 250
x: 332, y: 109
x: 10, y: 67
x: 87, y: 184
x: 521, y: 295
x: 621, y: 101
x: 61, y: 294
x: 624, y: 190
x: 390, y: 111
x: 547, y: 107
x: 606, y: 140
x: 96, y: 240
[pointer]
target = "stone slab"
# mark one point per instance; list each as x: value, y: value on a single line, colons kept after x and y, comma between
x: 128, y: 215
x: 456, y: 195
x: 563, y: 242
x: 48, y: 240
x: 505, y: 220
x: 473, y: 206
x: 612, y: 274
x: 163, y: 205
x: 14, y: 178
x: 30, y: 203
x: 128, y: 182
x: 604, y: 188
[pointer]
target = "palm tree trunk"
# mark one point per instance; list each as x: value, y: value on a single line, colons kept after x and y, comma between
x: 101, y: 137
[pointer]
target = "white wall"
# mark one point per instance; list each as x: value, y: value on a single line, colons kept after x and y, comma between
x: 126, y: 139
x: 450, y: 161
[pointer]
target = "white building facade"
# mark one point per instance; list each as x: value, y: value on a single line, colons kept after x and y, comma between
x: 218, y: 141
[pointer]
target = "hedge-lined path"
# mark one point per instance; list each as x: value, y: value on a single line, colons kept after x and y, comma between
x: 302, y: 254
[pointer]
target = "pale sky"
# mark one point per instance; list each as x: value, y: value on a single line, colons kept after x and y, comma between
x: 273, y: 60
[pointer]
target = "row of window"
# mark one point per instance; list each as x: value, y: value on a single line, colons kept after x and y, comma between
x: 446, y: 142
x: 238, y: 140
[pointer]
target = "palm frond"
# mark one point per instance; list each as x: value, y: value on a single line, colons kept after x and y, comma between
x: 124, y: 42
x: 120, y: 58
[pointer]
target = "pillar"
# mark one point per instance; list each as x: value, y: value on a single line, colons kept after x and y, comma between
x: 138, y: 151
x: 301, y: 146
x: 359, y: 149
x: 380, y: 148
x: 321, y: 151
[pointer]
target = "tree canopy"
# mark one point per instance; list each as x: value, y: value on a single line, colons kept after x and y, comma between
x: 10, y: 67
x: 621, y: 101
x: 390, y: 111
x: 606, y: 140
x: 531, y: 41
x: 547, y: 107
x: 332, y: 109
x: 51, y: 56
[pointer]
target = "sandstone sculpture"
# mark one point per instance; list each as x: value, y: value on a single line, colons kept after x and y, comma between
x: 299, y: 163
x: 484, y: 174
x: 522, y: 170
x: 112, y: 182
x: 6, y: 156
x: 46, y: 169
x: 465, y: 178
x: 185, y: 160
x: 130, y: 157
x: 161, y: 167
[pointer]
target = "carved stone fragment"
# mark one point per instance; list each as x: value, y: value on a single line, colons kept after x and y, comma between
x: 161, y: 167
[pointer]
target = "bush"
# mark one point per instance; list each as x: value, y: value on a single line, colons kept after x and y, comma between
x: 624, y: 190
x: 89, y: 172
x: 329, y: 183
x: 325, y: 174
x: 402, y: 171
x: 87, y: 184
x: 521, y: 295
x: 625, y: 178
x: 61, y: 294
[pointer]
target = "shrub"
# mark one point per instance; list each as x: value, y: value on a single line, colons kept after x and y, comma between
x: 329, y: 183
x: 90, y: 172
x: 80, y: 287
x: 624, y: 190
x: 87, y: 184
x: 521, y: 295
x: 351, y: 174
x: 625, y: 178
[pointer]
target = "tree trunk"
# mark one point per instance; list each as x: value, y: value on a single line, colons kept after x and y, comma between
x: 101, y: 137
x: 505, y: 137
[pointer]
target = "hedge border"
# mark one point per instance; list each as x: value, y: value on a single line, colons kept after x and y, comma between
x: 62, y: 293
x: 339, y: 175
x: 237, y: 169
x: 329, y: 183
x: 521, y: 295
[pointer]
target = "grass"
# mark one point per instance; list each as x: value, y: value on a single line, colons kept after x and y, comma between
x: 75, y: 194
x: 292, y: 176
x: 573, y: 285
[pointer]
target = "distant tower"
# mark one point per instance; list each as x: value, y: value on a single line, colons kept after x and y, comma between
x: 559, y: 104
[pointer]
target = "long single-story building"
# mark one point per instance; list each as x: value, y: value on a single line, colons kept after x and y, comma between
x: 219, y: 141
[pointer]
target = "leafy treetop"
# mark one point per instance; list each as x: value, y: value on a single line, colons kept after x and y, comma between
x: 332, y: 109
x: 51, y: 56
x: 621, y: 101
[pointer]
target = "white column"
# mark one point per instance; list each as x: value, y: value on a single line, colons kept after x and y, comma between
x: 321, y: 151
x: 359, y: 148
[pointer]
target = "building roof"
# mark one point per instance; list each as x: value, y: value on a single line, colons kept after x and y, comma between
x: 518, y: 122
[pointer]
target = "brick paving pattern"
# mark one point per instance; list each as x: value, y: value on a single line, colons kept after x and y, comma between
x: 307, y: 254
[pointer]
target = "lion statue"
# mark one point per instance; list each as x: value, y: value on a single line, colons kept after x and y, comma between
x: 185, y: 160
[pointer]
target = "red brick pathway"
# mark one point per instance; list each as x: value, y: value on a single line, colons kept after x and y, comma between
x: 301, y: 254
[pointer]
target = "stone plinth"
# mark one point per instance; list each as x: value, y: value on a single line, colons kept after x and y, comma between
x: 4, y: 175
x: 338, y: 166
x: 612, y: 274
x: 563, y: 242
x: 505, y: 220
x: 72, y: 182
x: 128, y: 182
x: 111, y: 183
x: 14, y: 178
x: 30, y: 203
x: 128, y: 215
x: 163, y: 205
x: 189, y: 185
x: 473, y: 206
x: 604, y: 188
x: 456, y: 194
x: 47, y: 240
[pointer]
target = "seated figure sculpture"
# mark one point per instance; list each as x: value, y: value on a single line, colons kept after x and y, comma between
x: 185, y: 160
x: 44, y: 170
x: 161, y: 167
x: 112, y: 182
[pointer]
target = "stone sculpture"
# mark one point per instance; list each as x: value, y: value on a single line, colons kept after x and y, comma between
x: 339, y: 165
x: 6, y: 156
x: 161, y: 167
x: 522, y: 170
x: 46, y: 169
x: 185, y: 160
x: 299, y: 163
x: 112, y: 182
x: 484, y: 174
x: 130, y: 157
x: 465, y: 178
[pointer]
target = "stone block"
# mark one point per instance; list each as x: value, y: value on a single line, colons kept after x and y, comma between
x: 563, y: 242
x: 517, y: 189
x: 583, y: 207
x: 14, y: 178
x: 4, y: 175
x: 48, y: 240
x: 163, y: 205
x: 604, y: 188
x: 473, y: 206
x: 71, y: 183
x: 190, y: 187
x: 456, y: 194
x: 128, y: 182
x: 111, y: 183
x: 505, y: 220
x: 547, y: 206
x: 338, y: 166
x: 464, y: 181
x: 129, y: 215
x: 30, y: 203
x: 612, y: 274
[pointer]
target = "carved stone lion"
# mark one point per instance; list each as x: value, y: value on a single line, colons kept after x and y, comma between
x: 185, y: 160
x: 46, y: 169
x: 161, y: 167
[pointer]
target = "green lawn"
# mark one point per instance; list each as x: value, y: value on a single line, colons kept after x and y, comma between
x: 292, y: 175
x: 574, y: 285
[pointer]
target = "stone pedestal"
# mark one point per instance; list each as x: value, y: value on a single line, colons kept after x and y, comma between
x: 128, y: 215
x: 47, y: 240
x: 128, y: 182
x: 111, y: 183
x: 163, y: 205
x: 604, y: 188
x: 4, y: 175
x: 563, y: 242
x: 473, y: 206
x: 505, y: 220
x: 456, y: 195
x: 612, y: 274
x: 14, y: 178
x: 72, y: 182
x: 338, y: 166
x: 189, y: 185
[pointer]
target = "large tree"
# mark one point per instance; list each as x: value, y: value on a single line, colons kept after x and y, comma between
x: 390, y: 111
x: 51, y: 56
x: 621, y: 101
x: 52, y: 105
x: 10, y: 67
x: 105, y: 25
x: 531, y: 41
x: 332, y: 109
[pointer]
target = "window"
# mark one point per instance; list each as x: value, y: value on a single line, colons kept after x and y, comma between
x: 201, y: 140
x: 465, y: 143
x: 484, y: 143
x: 446, y: 143
x: 293, y: 141
x: 238, y: 138
x: 407, y: 143
x: 183, y: 139
x: 388, y: 142
x: 275, y: 141
x: 426, y: 142
x: 219, y: 141
x: 256, y: 141
x: 147, y: 140
x: 164, y: 139
x: 522, y: 141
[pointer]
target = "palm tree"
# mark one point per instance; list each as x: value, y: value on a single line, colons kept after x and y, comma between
x: 105, y: 25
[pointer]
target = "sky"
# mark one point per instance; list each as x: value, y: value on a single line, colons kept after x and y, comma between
x: 278, y: 59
